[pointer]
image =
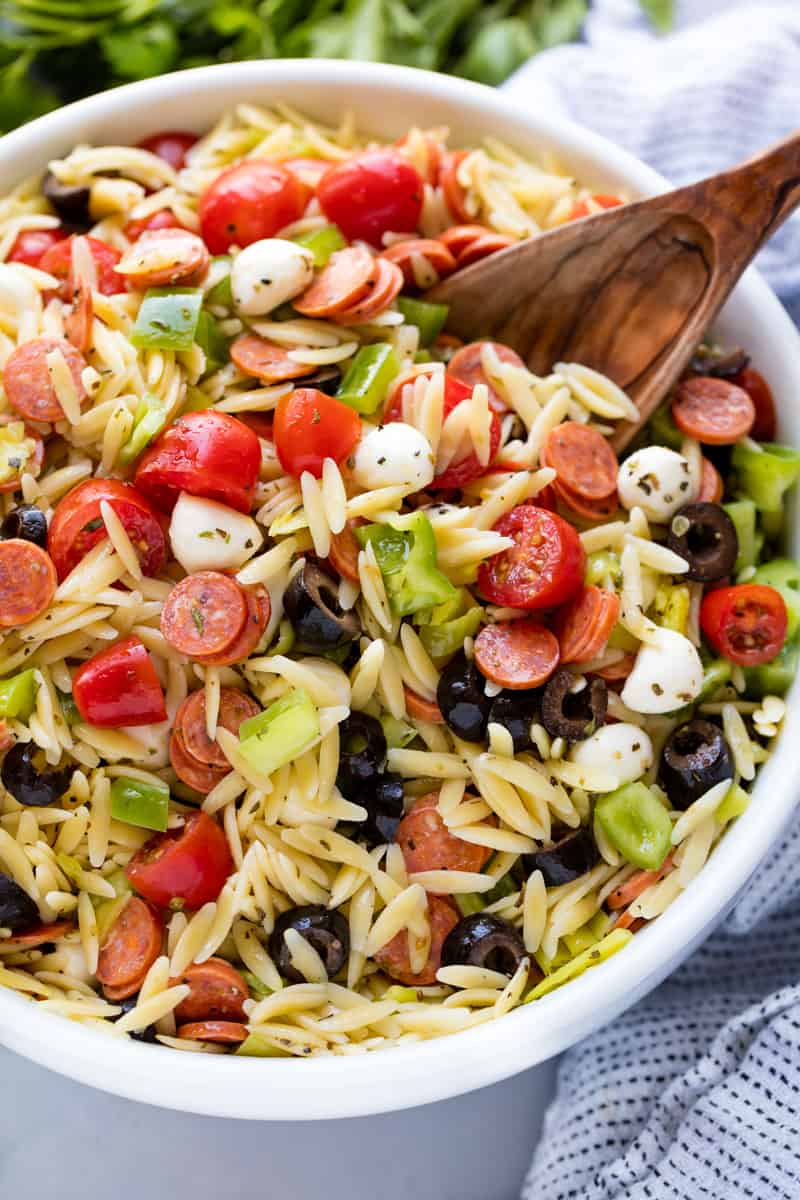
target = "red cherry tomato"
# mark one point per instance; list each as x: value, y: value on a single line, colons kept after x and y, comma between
x: 163, y: 219
x: 250, y: 201
x: 542, y: 569
x: 32, y: 244
x: 58, y: 261
x: 745, y: 623
x: 760, y: 393
x: 119, y: 686
x: 310, y: 427
x: 581, y: 208
x: 205, y: 453
x: 77, y: 524
x: 188, y: 865
x: 172, y: 146
x: 371, y: 194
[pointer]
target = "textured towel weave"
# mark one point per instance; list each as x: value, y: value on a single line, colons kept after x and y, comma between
x: 695, y: 1093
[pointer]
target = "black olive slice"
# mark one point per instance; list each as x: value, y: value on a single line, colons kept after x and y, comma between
x: 323, y: 928
x: 721, y: 364
x: 362, y: 752
x: 313, y: 608
x: 27, y: 784
x: 462, y: 699
x: 516, y: 712
x: 26, y: 521
x: 565, y: 860
x: 17, y: 911
x: 694, y: 759
x: 71, y: 201
x: 148, y: 1035
x: 704, y: 535
x: 573, y: 715
x: 483, y: 940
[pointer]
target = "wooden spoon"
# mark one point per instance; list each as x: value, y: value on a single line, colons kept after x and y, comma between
x: 632, y: 290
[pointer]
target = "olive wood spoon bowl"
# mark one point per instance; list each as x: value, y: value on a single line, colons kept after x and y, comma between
x: 632, y: 290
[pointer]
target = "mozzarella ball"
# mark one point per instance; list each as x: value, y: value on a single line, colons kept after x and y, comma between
x: 666, y: 675
x: 207, y: 536
x: 623, y: 750
x: 395, y: 455
x: 268, y: 273
x: 658, y: 480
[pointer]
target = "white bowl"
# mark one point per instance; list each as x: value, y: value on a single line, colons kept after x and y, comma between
x: 386, y: 100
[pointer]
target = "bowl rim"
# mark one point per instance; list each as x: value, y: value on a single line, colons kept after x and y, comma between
x: 426, y: 1071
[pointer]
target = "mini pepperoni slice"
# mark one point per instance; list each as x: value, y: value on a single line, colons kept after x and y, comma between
x: 190, y: 719
x: 759, y: 391
x: 466, y: 366
x: 78, y: 318
x: 40, y: 936
x: 584, y: 626
x: 27, y: 582
x: 265, y: 360
x: 27, y: 382
x: 394, y: 958
x: 711, y: 485
x: 481, y: 247
x: 582, y: 459
x: 516, y: 654
x: 132, y: 945
x: 217, y: 992
x: 388, y: 284
x: 428, y: 845
x: 421, y: 709
x: 341, y: 282
x: 454, y: 194
x: 713, y: 411
x: 436, y: 253
x: 226, y: 1033
x: 344, y: 552
x: 459, y: 237
x: 256, y: 621
x: 164, y: 257
x: 204, y: 614
x: 199, y: 776
x: 617, y: 671
x: 594, y: 510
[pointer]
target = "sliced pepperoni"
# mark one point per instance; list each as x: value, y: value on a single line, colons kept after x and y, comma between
x: 627, y: 920
x: 516, y: 654
x: 78, y: 318
x: 454, y: 194
x: 132, y: 945
x: 711, y: 485
x: 713, y: 411
x: 388, y: 284
x: 436, y: 253
x: 32, y: 464
x: 759, y: 391
x: 217, y: 992
x: 190, y: 720
x: 582, y: 459
x: 164, y: 257
x: 27, y: 582
x: 632, y: 888
x: 618, y: 671
x: 265, y: 360
x: 195, y: 774
x: 466, y: 366
x: 256, y: 621
x: 421, y: 709
x: 27, y: 382
x: 204, y: 614
x: 584, y: 626
x: 394, y: 958
x: 481, y: 247
x: 594, y: 510
x: 428, y: 845
x: 344, y: 280
x: 459, y: 237
x: 226, y: 1033
x: 344, y: 552
x: 39, y: 936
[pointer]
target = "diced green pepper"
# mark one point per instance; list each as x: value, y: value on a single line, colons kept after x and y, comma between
x: 772, y: 678
x: 636, y: 824
x: 321, y: 242
x: 107, y: 910
x: 549, y: 965
x: 429, y: 318
x: 663, y: 430
x: 220, y: 296
x: 196, y: 400
x: 469, y: 903
x: 443, y: 641
x: 620, y: 639
x: 455, y: 606
x: 18, y: 695
x: 255, y: 985
x: 285, y: 639
x: 69, y: 708
x: 783, y: 574
x: 588, y: 934
x: 212, y: 341
x: 280, y: 733
x: 603, y: 570
x: 397, y: 733
x: 671, y: 606
x: 422, y: 356
x: 765, y: 472
x: 367, y: 379
x: 743, y: 515
x: 598, y: 953
x: 141, y: 803
x: 405, y: 551
x: 168, y: 319
x: 151, y: 417
x: 256, y: 1045
x: 403, y: 995
x: 733, y: 805
x: 772, y: 524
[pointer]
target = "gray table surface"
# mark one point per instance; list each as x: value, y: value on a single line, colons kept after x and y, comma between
x: 61, y: 1139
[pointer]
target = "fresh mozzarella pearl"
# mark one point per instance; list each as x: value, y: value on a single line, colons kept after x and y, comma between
x: 267, y: 273
x: 667, y: 674
x: 207, y: 536
x: 623, y: 750
x: 658, y: 479
x: 395, y: 455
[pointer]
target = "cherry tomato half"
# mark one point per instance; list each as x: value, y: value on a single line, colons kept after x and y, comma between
x: 119, y: 686
x: 371, y: 194
x: 163, y: 219
x: 77, y: 524
x: 759, y: 391
x: 188, y: 865
x: 172, y: 146
x: 545, y: 566
x: 310, y: 427
x: 249, y: 201
x: 205, y: 453
x: 745, y: 623
x: 58, y: 261
x: 30, y: 245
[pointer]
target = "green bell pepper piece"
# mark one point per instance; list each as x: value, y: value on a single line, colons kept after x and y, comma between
x: 440, y: 614
x: 765, y: 472
x: 405, y: 551
x: 138, y: 803
x: 548, y: 965
x: 69, y: 708
x: 196, y: 400
x: 773, y: 678
x: 422, y: 356
x: 151, y: 417
x: 367, y: 379
x: 783, y: 574
x: 18, y: 695
x: 397, y: 733
x: 403, y: 995
x: 663, y: 430
x: 671, y: 606
x: 168, y: 319
x: 620, y: 639
x: 255, y: 985
x: 743, y: 515
x: 715, y: 675
x: 285, y: 639
x: 220, y: 296
x: 469, y: 903
x: 256, y: 1045
x: 279, y: 733
x: 588, y: 934
x: 474, y: 902
x: 636, y: 824
x: 603, y: 569
x: 429, y: 318
x: 107, y: 910
x: 212, y: 341
x: 321, y: 242
x: 733, y: 805
x: 602, y: 950
x: 443, y: 641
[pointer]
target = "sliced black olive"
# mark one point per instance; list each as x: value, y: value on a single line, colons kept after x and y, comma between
x: 388, y: 794
x: 26, y: 783
x: 383, y: 799
x: 323, y: 928
x: 25, y: 521
x: 573, y: 715
x: 722, y: 364
x: 483, y: 940
x: 326, y: 380
x: 148, y: 1034
x: 565, y: 860
x: 378, y: 830
x: 462, y: 699
x: 70, y: 201
x: 17, y: 911
x: 705, y: 536
x: 694, y: 759
x: 516, y: 712
x: 362, y: 752
x: 313, y: 608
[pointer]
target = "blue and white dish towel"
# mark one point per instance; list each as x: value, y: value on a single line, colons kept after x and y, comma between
x: 695, y: 1093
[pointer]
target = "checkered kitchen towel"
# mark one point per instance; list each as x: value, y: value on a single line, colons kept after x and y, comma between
x: 695, y: 1093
